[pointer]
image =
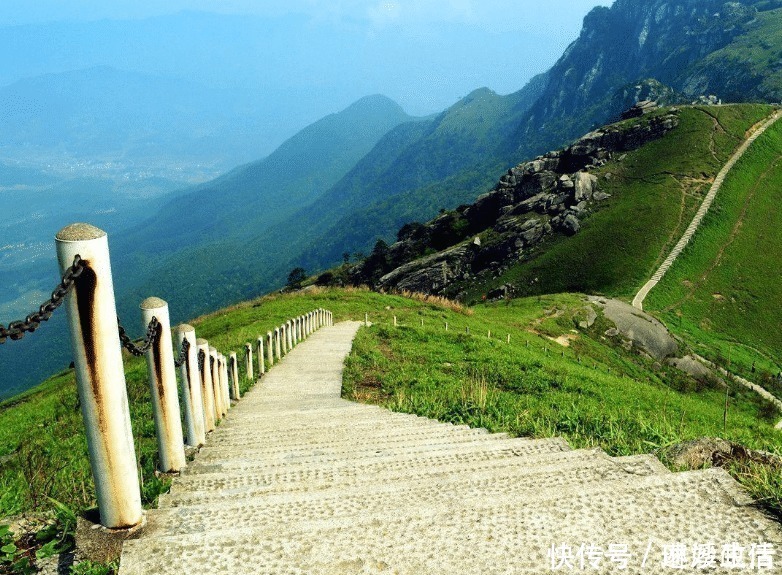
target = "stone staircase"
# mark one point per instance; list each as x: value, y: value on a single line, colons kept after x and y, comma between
x: 297, y: 480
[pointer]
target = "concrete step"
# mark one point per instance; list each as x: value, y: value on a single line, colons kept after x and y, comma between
x: 287, y: 479
x: 489, y: 535
x: 223, y: 504
x: 344, y: 437
x: 456, y: 453
x: 327, y: 423
x: 360, y: 449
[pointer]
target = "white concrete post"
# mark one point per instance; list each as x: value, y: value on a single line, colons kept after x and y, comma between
x: 217, y: 385
x: 284, y: 335
x: 309, y: 324
x: 269, y: 348
x: 100, y: 375
x: 235, y: 376
x: 259, y: 351
x: 277, y: 346
x: 224, y: 399
x: 302, y: 335
x: 226, y: 385
x: 294, y: 332
x: 192, y: 400
x: 207, y: 387
x: 289, y: 334
x: 163, y: 387
x: 248, y: 361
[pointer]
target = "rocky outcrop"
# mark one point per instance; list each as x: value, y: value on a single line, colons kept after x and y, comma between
x: 550, y: 194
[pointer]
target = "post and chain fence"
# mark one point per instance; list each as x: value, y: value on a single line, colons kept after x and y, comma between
x: 16, y: 330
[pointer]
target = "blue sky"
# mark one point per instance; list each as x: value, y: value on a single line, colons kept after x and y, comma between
x: 507, y: 14
x: 425, y: 54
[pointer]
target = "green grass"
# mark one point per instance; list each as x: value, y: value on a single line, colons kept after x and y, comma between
x: 655, y: 191
x: 591, y: 392
x: 724, y: 290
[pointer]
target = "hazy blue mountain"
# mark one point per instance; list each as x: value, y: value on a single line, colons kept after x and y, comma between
x: 133, y: 120
x: 249, y: 199
x: 412, y: 171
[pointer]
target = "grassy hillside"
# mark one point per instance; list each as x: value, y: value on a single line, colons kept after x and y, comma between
x: 588, y: 391
x: 655, y: 192
x: 724, y: 290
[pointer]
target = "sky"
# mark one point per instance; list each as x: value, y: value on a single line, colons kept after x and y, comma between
x: 425, y: 54
x: 507, y: 15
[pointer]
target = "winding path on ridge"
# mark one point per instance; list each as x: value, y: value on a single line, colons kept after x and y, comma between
x: 703, y: 210
x: 297, y: 480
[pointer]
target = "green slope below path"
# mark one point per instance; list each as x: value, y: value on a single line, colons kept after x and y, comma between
x: 655, y: 192
x: 755, y: 133
x: 724, y: 289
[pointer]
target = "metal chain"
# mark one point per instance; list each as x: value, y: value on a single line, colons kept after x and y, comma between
x: 153, y: 332
x: 16, y: 329
x: 180, y: 361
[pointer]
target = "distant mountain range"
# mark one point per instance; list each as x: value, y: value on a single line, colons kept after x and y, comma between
x: 360, y: 175
x: 139, y: 121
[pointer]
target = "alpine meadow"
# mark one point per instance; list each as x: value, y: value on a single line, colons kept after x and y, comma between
x: 416, y: 288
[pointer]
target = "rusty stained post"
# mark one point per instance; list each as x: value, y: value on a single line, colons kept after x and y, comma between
x: 300, y: 327
x: 217, y: 387
x: 259, y: 351
x: 163, y: 387
x: 289, y: 334
x: 294, y: 333
x: 269, y: 348
x: 248, y: 361
x: 192, y: 400
x: 277, y: 344
x: 284, y: 338
x: 207, y: 387
x: 226, y: 383
x: 234, y: 383
x: 100, y: 376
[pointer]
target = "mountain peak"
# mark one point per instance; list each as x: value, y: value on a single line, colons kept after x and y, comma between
x: 375, y: 103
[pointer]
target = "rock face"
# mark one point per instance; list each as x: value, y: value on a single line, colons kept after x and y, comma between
x: 671, y: 51
x: 548, y: 195
x: 639, y: 328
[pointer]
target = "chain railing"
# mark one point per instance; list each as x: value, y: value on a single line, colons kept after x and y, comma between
x: 153, y: 333
x: 180, y: 361
x: 206, y: 391
x: 16, y: 329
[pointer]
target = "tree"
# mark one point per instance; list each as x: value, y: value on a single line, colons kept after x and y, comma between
x: 296, y: 277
